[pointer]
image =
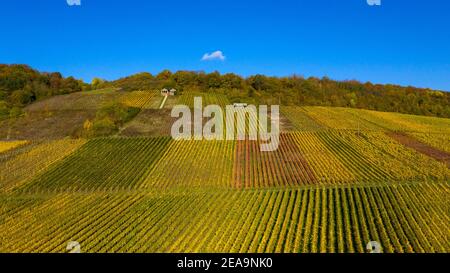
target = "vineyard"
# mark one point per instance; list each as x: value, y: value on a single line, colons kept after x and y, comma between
x: 339, y: 179
x: 241, y: 136
x: 187, y: 98
x: 408, y: 218
x: 76, y: 101
x: 332, y: 158
x: 436, y: 140
x: 140, y: 99
x: 212, y: 166
x: 101, y: 164
x: 19, y: 168
x: 302, y: 158
x: 300, y: 120
x: 312, y: 118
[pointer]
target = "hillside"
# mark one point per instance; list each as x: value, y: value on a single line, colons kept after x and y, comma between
x: 100, y: 168
x: 65, y: 115
x: 238, y: 136
x: 296, y: 91
x: 21, y: 85
x: 341, y: 177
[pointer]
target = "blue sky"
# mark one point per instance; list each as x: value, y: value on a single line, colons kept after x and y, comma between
x: 402, y: 42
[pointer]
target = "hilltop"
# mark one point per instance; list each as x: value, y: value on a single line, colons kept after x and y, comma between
x: 20, y: 85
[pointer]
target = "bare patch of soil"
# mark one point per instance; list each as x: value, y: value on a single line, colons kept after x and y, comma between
x: 421, y: 147
x: 285, y: 124
x: 44, y: 125
x: 81, y: 101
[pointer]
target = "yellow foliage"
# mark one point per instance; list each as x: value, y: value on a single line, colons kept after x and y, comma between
x: 138, y: 99
x: 19, y: 169
x: 9, y: 145
x: 87, y: 125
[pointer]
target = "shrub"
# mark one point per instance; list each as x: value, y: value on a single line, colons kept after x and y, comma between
x: 104, y: 127
x: 21, y: 97
x: 117, y: 112
x: 4, y: 109
x: 15, y: 112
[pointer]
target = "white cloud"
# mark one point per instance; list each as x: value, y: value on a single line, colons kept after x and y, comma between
x: 374, y: 2
x: 217, y: 55
x: 74, y: 2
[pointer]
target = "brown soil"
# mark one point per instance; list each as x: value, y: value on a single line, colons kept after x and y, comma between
x: 73, y: 102
x: 421, y: 147
x: 44, y: 125
x: 285, y: 124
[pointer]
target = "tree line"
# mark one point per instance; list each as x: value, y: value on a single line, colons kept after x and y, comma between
x: 21, y: 85
x: 297, y: 90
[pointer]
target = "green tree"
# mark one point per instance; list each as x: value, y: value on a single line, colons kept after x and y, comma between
x: 21, y: 97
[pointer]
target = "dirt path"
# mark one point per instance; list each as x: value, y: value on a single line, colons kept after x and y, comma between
x: 423, y: 148
x: 163, y: 102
